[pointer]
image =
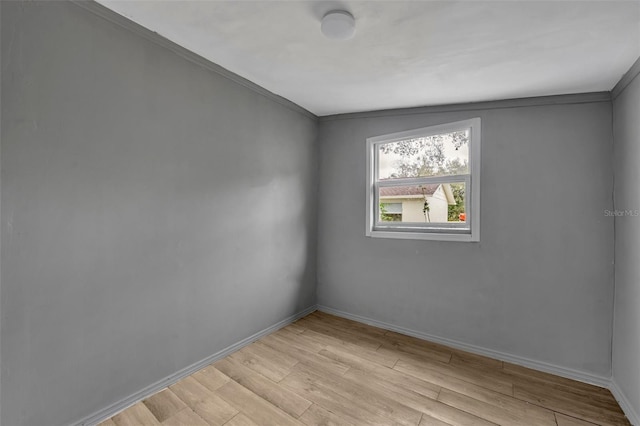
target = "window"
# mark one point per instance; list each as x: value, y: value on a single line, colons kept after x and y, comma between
x: 425, y: 183
x: 390, y: 212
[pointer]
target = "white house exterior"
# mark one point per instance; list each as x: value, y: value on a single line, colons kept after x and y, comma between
x: 407, y: 202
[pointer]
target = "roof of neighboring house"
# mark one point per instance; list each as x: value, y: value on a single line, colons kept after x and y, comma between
x: 390, y: 191
x: 416, y: 191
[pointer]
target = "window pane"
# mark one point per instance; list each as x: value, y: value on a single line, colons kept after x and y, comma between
x: 438, y: 155
x: 433, y: 203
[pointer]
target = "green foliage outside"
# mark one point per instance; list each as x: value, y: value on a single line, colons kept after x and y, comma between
x: 455, y: 210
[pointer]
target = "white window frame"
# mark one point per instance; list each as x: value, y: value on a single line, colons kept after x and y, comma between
x: 415, y: 231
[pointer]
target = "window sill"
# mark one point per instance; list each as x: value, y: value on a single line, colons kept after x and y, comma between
x: 433, y: 236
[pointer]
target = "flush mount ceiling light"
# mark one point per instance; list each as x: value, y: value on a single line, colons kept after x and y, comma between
x: 338, y: 25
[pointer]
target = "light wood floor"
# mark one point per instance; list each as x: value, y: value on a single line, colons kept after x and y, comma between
x: 325, y: 370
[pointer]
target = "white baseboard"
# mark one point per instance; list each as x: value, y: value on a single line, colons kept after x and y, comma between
x: 514, y: 359
x: 626, y: 406
x: 123, y: 404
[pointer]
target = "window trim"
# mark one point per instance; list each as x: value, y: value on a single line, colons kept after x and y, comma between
x: 471, y: 180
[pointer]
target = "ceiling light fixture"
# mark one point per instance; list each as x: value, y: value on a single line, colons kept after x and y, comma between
x: 338, y: 25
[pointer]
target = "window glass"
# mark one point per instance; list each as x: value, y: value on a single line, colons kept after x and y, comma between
x: 438, y: 155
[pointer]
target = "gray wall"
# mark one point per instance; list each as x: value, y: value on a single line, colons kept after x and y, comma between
x: 540, y: 282
x: 626, y: 332
x: 153, y: 213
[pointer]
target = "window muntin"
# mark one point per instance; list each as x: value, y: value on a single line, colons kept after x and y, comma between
x: 434, y: 174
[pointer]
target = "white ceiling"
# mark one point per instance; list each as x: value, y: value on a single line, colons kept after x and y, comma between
x: 405, y: 53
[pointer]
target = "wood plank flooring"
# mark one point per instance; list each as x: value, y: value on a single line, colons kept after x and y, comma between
x: 325, y: 370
